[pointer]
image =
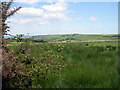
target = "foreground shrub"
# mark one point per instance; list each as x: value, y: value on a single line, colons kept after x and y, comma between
x: 9, y: 69
x: 36, y: 69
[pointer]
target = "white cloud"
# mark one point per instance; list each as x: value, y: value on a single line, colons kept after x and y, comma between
x: 24, y: 21
x: 75, y: 1
x: 56, y: 12
x: 93, y: 18
x: 30, y: 12
x: 12, y: 20
x: 33, y: 20
x: 53, y: 15
x: 28, y: 1
x: 58, y: 16
x: 50, y: 1
x: 44, y: 20
x: 79, y: 18
x: 59, y: 6
x: 36, y: 1
x: 46, y: 14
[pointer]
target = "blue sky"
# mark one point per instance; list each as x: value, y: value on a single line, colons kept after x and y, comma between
x: 65, y: 18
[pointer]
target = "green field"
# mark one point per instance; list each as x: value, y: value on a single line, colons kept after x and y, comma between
x: 76, y: 37
x: 68, y: 37
x: 14, y: 42
x: 86, y: 65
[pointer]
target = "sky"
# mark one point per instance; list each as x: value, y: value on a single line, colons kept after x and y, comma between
x: 61, y: 17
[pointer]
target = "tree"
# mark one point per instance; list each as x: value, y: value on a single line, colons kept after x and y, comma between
x: 8, y: 58
x: 6, y: 13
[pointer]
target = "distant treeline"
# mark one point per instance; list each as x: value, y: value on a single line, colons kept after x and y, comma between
x: 39, y: 41
x: 112, y: 36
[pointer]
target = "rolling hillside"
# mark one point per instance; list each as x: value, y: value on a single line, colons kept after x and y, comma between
x: 76, y: 37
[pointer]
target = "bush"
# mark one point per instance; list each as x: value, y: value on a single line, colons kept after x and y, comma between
x: 34, y: 68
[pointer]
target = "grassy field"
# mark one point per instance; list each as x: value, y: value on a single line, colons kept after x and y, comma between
x: 76, y: 37
x: 68, y: 37
x: 14, y: 42
x: 87, y: 65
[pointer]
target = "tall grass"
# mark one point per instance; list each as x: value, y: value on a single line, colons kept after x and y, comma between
x: 89, y: 65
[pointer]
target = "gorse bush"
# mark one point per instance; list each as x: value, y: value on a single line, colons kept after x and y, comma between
x: 9, y: 69
x: 47, y: 64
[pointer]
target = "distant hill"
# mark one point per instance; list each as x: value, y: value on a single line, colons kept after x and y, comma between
x: 6, y: 36
x: 72, y: 37
x: 76, y: 37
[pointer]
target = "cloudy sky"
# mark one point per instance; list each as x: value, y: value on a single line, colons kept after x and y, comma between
x: 62, y: 17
